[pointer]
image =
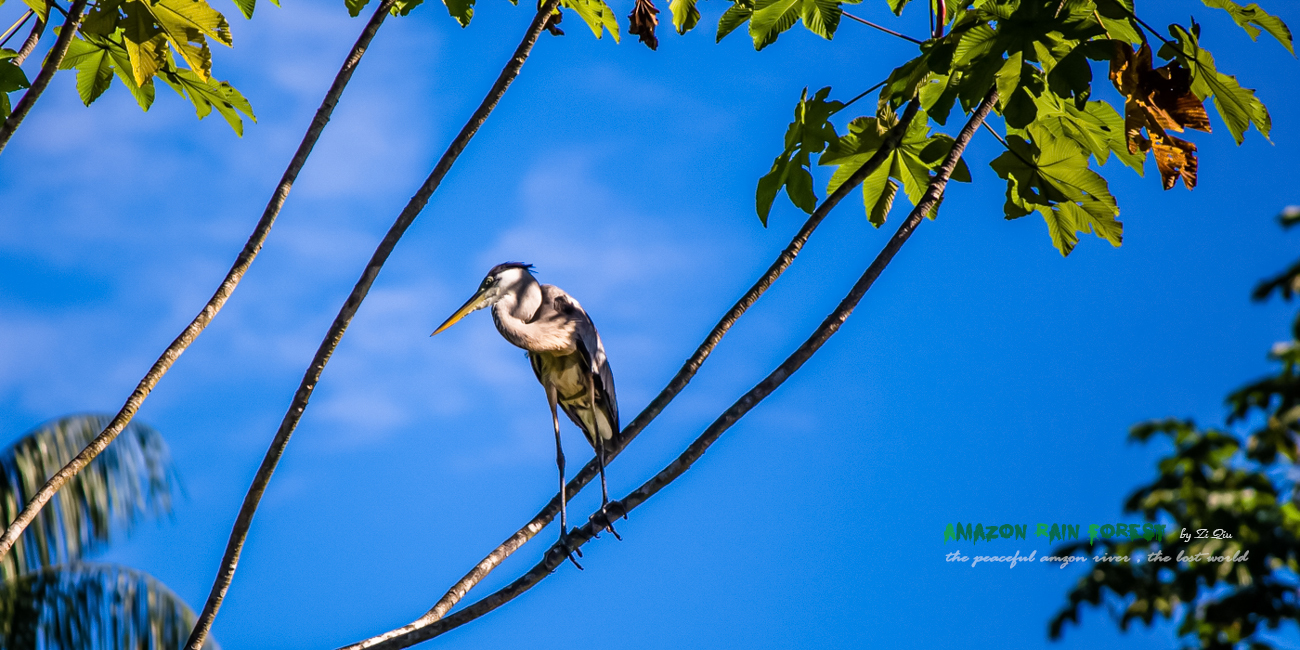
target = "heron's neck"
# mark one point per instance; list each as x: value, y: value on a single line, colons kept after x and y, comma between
x: 515, y: 311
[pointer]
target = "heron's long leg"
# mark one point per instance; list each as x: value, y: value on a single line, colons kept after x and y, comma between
x: 551, y: 397
x: 598, y: 442
x: 559, y: 461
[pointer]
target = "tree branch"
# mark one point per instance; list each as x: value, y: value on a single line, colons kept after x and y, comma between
x: 239, y: 532
x: 29, y: 45
x: 555, y: 556
x: 656, y: 406
x: 52, y: 61
x: 218, y: 300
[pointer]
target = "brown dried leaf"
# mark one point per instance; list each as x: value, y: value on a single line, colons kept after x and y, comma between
x: 1176, y: 159
x: 642, y: 22
x: 1156, y: 100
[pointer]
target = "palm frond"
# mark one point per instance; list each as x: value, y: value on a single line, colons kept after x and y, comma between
x: 83, y: 606
x: 132, y: 478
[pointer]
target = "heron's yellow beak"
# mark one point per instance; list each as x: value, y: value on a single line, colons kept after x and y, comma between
x: 479, y: 301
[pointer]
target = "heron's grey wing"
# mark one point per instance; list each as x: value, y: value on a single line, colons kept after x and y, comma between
x: 593, y: 354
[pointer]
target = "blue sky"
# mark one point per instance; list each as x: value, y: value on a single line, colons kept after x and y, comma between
x: 983, y: 379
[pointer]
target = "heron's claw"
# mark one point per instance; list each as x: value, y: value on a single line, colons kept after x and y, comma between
x: 603, y: 521
x: 569, y: 551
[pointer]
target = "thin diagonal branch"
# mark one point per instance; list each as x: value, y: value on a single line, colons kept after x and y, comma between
x: 675, y: 386
x: 243, y: 522
x: 555, y: 556
x: 29, y: 45
x: 218, y: 300
x: 52, y: 61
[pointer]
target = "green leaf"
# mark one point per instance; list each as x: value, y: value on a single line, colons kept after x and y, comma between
x: 1051, y: 176
x: 1117, y: 20
x: 821, y: 17
x: 1238, y: 106
x: 734, y: 17
x: 685, y: 15
x: 1097, y: 129
x: 355, y: 6
x: 878, y: 193
x: 1251, y: 18
x: 404, y: 7
x: 772, y: 17
x: 94, y: 69
x: 11, y: 79
x: 1008, y: 79
x: 245, y: 7
x: 184, y: 23
x: 598, y: 16
x: 42, y: 10
x: 974, y: 44
x: 897, y: 6
x: 11, y: 76
x: 462, y: 11
x: 207, y: 94
x: 92, y: 54
x: 808, y: 134
x: 145, y: 43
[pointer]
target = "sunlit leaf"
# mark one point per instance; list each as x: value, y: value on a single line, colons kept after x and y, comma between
x: 1238, y: 106
x: 598, y: 16
x: 685, y: 15
x: 1251, y: 18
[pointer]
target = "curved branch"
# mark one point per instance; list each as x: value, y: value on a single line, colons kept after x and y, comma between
x: 656, y: 406
x: 52, y: 61
x: 556, y: 556
x: 239, y: 533
x: 218, y: 300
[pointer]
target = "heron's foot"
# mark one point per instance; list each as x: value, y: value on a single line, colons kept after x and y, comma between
x: 564, y: 545
x: 603, y: 519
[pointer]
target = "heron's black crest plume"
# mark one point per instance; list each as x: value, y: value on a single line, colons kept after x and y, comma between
x: 510, y: 265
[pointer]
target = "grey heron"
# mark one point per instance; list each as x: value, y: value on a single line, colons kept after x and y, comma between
x: 565, y: 352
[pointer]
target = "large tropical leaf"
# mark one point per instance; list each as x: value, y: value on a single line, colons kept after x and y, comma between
x: 131, y: 478
x: 83, y: 606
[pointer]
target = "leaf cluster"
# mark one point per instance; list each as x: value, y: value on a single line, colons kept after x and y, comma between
x: 1040, y: 56
x: 1214, y: 480
x: 138, y: 41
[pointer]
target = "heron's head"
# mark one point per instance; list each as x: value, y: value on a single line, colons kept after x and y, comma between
x: 503, y: 279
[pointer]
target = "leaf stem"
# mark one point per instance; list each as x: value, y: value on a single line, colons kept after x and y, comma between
x: 882, y: 28
x: 311, y: 378
x: 555, y: 556
x: 1015, y: 153
x: 861, y: 95
x: 1144, y: 24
